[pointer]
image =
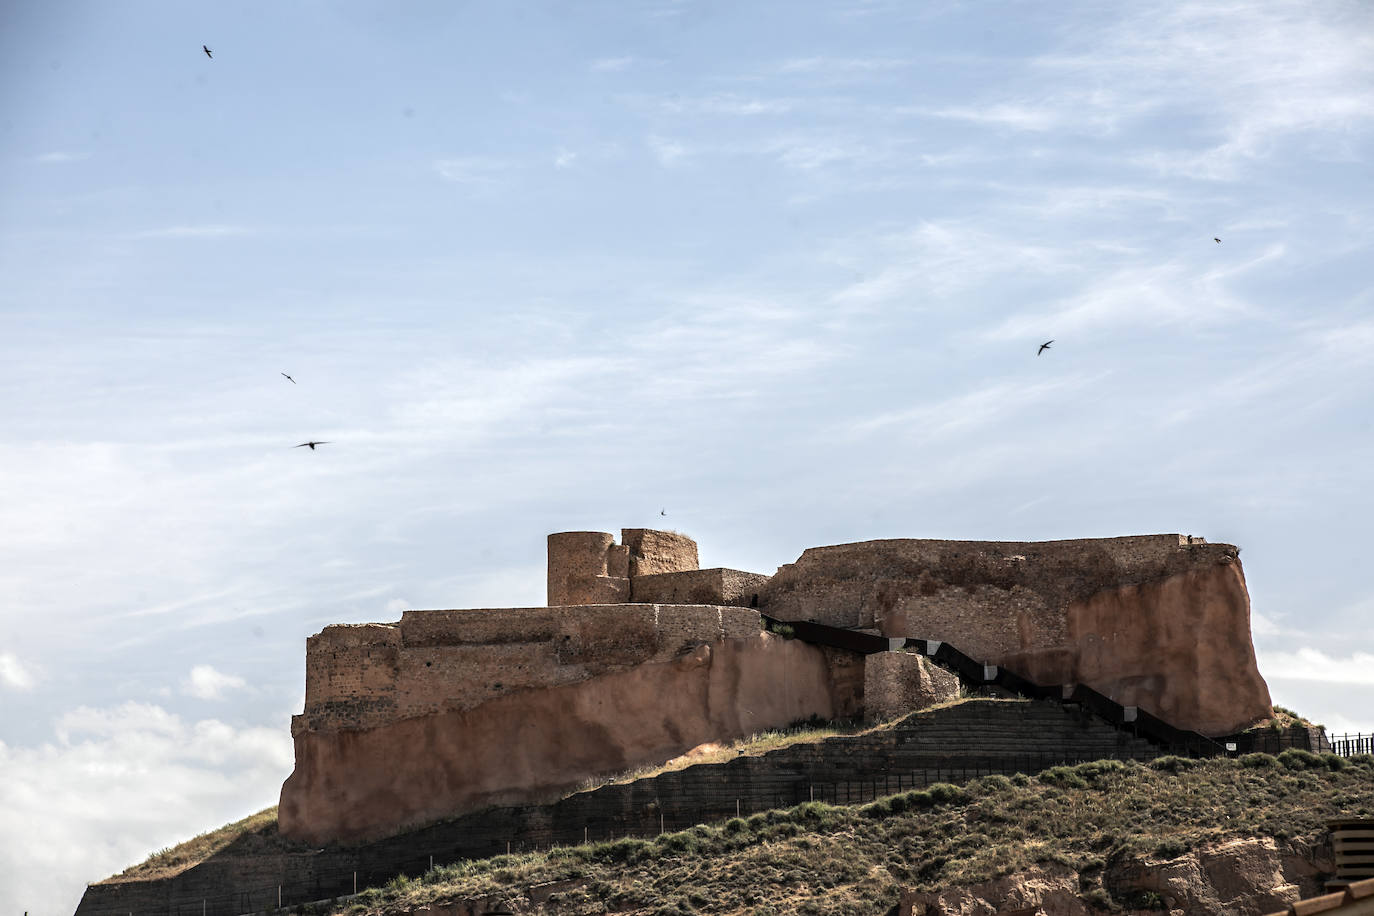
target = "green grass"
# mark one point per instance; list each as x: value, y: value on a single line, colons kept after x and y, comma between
x: 854, y: 860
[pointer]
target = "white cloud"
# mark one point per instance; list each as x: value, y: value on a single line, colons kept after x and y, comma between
x: 118, y: 784
x: 612, y: 64
x: 206, y: 683
x: 1310, y: 664
x: 724, y: 103
x: 970, y: 411
x: 13, y: 673
x: 212, y: 231
x: 842, y: 65
x: 395, y: 607
x: 564, y: 158
x: 668, y: 152
x: 476, y: 173
x: 60, y: 156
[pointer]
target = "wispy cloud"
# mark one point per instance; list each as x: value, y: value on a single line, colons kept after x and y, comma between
x: 479, y: 174
x: 564, y: 158
x: 1258, y: 72
x: 209, y: 231
x: 205, y: 683
x: 843, y: 65
x: 722, y: 103
x: 668, y: 152
x: 60, y: 156
x: 613, y: 64
x: 970, y: 411
x: 13, y: 673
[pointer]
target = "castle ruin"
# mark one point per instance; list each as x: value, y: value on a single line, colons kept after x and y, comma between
x: 640, y: 656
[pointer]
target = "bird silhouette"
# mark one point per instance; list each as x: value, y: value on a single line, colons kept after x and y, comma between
x: 662, y: 511
x: 207, y: 52
x: 1217, y: 240
x: 1044, y: 346
x: 289, y: 378
x: 311, y: 444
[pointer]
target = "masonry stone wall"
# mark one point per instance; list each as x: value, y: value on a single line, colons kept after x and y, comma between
x: 589, y: 567
x: 699, y: 586
x: 362, y: 676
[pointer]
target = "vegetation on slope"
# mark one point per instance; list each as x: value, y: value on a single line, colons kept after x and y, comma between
x: 255, y: 833
x: 258, y: 832
x: 820, y: 858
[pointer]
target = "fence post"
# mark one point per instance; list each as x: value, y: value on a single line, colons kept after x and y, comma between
x: 355, y: 883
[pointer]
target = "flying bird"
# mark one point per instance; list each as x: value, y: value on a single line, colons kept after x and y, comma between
x: 1217, y: 240
x: 289, y: 378
x: 311, y: 444
x: 662, y: 511
x: 1044, y: 346
x: 207, y: 52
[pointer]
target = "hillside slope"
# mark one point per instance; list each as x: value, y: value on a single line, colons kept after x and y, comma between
x: 1215, y: 836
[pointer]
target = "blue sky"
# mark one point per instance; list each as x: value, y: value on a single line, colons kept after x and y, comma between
x: 780, y: 270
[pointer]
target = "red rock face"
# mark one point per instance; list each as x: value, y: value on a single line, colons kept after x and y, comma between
x: 1155, y: 621
x: 352, y: 784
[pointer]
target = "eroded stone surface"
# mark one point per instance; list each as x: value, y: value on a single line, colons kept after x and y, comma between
x: 1152, y: 621
x: 352, y: 783
x: 1242, y: 877
x: 896, y: 683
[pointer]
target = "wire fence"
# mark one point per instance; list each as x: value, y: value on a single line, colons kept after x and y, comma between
x: 339, y: 875
x: 323, y: 880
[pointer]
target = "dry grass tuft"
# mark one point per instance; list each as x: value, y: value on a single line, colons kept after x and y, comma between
x: 258, y: 832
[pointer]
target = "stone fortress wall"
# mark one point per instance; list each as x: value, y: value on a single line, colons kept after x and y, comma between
x: 1157, y: 621
x: 642, y: 656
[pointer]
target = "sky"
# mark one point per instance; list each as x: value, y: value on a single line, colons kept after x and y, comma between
x: 777, y: 270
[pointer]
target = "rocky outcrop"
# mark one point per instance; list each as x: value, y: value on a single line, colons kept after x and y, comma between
x: 1161, y: 621
x: 896, y: 683
x: 1242, y: 877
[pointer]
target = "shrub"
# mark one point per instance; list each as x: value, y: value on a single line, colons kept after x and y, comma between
x: 1258, y: 761
x: 736, y: 825
x: 1334, y: 762
x: 942, y: 793
x: 995, y: 783
x: 1172, y: 764
x: 877, y: 810
x: 1064, y: 777
x: 1298, y: 759
x: 1170, y: 849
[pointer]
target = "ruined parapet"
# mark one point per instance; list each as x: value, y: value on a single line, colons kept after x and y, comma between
x: 897, y: 683
x: 653, y: 552
x: 700, y: 586
x: 587, y: 567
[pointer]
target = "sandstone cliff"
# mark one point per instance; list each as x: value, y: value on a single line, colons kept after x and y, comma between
x: 1155, y: 621
x: 387, y: 740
